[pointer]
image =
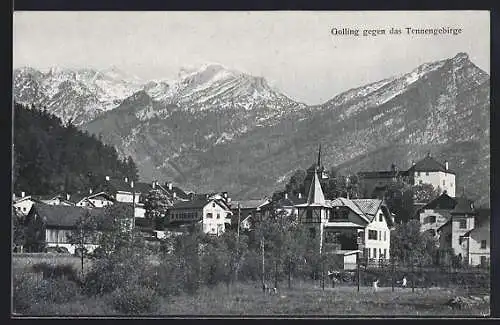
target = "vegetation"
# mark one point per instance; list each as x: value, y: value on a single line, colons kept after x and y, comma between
x: 51, y: 157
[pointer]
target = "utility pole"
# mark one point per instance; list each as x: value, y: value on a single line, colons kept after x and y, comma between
x: 357, y: 269
x: 262, y: 251
x: 392, y: 258
x: 237, y: 243
x: 133, y: 203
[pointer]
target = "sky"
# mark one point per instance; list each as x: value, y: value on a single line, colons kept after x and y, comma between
x: 294, y: 50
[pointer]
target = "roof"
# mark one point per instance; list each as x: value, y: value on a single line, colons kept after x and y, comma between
x: 368, y: 206
x: 340, y: 201
x: 248, y: 204
x: 289, y: 201
x: 429, y: 164
x: 194, y: 204
x: 444, y: 202
x: 379, y: 174
x: 103, y: 194
x: 447, y: 223
x: 342, y: 224
x: 316, y: 195
x: 463, y: 206
x: 63, y: 215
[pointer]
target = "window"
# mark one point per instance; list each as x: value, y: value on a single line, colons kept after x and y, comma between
x: 463, y: 224
x: 380, y: 235
x: 339, y: 214
x: 218, y: 215
x: 432, y: 232
x: 444, y: 182
x: 483, y: 260
x: 451, y: 184
x: 309, y: 214
x: 213, y: 205
x: 372, y: 234
x: 431, y: 219
x: 374, y: 253
x: 385, y: 252
x: 461, y: 240
x: 418, y: 173
x: 426, y: 173
x: 380, y: 217
x: 209, y: 215
x: 483, y: 244
x: 385, y: 238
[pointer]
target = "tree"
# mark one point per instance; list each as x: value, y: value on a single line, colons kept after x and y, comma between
x: 18, y: 237
x: 34, y: 235
x: 425, y: 192
x: 409, y: 244
x: 85, y: 232
x: 156, y: 205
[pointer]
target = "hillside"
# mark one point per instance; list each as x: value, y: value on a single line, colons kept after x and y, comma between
x: 50, y: 157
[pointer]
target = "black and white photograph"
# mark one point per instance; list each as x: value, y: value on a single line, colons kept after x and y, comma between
x: 265, y: 164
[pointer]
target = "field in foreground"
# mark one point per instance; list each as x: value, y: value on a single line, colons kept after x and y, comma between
x: 248, y: 300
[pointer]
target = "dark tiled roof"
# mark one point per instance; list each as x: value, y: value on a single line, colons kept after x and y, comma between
x: 378, y: 174
x: 194, y: 204
x: 429, y: 164
x: 444, y: 202
x: 368, y: 206
x: 64, y: 216
x: 463, y: 206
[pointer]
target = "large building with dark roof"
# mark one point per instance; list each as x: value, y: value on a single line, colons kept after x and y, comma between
x: 426, y: 171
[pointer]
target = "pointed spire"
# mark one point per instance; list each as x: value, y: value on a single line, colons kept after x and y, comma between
x: 316, y: 195
x: 318, y: 164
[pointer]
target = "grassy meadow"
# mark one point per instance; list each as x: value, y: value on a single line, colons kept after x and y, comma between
x: 247, y: 299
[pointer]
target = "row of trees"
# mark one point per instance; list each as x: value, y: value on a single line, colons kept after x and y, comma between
x: 50, y: 156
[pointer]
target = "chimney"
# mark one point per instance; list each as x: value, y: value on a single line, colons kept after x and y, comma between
x: 126, y: 179
x: 224, y: 195
x: 413, y: 162
x: 300, y: 195
x: 132, y: 184
x: 446, y: 165
x: 107, y: 178
x: 68, y: 196
x: 169, y: 186
x: 174, y: 195
x: 153, y: 185
x: 90, y: 191
x: 23, y: 194
x: 286, y: 196
x: 228, y: 200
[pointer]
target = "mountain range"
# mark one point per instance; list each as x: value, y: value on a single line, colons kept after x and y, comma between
x: 215, y: 128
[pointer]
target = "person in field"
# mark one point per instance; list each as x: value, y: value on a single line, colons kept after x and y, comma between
x: 404, y: 282
x: 375, y: 285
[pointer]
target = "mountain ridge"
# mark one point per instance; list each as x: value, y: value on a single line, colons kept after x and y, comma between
x: 215, y: 128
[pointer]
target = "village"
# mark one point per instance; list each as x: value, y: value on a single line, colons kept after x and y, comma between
x: 352, y: 229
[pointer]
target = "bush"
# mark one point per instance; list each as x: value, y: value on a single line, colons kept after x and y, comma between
x: 28, y: 290
x: 166, y: 278
x: 57, y: 271
x: 78, y: 307
x: 135, y: 299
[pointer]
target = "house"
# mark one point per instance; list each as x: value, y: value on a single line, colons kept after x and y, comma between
x: 55, y: 199
x: 100, y: 199
x: 287, y: 205
x: 374, y: 184
x: 343, y: 226
x: 461, y: 222
x: 23, y: 203
x: 431, y: 171
x: 478, y: 239
x: 425, y: 171
x: 60, y: 220
x: 247, y: 212
x: 210, y: 215
x: 436, y: 213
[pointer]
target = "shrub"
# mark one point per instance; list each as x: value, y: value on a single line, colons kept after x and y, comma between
x: 79, y: 307
x: 28, y: 290
x: 166, y: 278
x: 135, y: 299
x: 57, y: 271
